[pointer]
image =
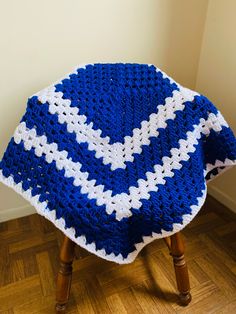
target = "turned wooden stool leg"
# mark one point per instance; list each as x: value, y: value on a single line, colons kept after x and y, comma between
x: 64, y: 275
x: 181, y: 270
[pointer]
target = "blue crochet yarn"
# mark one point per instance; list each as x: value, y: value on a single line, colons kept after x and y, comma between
x: 116, y: 155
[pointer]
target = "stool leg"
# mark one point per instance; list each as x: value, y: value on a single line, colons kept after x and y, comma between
x: 168, y: 243
x: 64, y: 275
x: 181, y: 270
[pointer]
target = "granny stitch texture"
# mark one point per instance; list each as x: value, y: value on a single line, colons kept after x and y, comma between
x: 117, y: 155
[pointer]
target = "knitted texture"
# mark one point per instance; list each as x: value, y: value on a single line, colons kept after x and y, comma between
x: 117, y: 155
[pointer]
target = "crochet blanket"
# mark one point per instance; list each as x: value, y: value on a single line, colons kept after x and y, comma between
x: 117, y: 155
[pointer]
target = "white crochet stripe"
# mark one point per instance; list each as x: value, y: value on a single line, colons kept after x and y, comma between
x: 81, y: 240
x: 118, y: 153
x: 70, y: 232
x: 122, y: 203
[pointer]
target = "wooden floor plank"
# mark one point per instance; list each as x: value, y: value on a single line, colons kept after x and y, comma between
x: 17, y: 270
x: 219, y: 273
x: 129, y: 301
x: 207, y: 305
x: 46, y: 274
x: 115, y: 304
x: 229, y: 308
x: 97, y: 297
x: 34, y: 305
x: 81, y: 296
x: 150, y: 300
x: 16, y: 293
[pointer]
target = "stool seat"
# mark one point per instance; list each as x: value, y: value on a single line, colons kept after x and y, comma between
x: 117, y: 155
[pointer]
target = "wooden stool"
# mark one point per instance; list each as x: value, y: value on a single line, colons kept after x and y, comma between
x: 176, y: 248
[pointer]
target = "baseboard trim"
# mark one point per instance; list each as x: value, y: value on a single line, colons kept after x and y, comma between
x: 13, y: 213
x: 223, y: 198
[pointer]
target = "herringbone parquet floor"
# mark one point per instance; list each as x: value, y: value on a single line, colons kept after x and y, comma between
x: 29, y: 250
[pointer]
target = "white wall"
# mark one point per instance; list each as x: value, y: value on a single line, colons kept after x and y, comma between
x: 43, y: 40
x: 217, y: 79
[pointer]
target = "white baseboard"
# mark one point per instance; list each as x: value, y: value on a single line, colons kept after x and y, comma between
x: 12, y: 213
x: 223, y: 198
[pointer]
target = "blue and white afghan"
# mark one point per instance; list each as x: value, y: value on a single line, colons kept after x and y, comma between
x: 117, y: 155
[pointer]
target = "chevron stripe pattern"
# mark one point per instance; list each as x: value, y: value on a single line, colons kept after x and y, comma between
x: 117, y: 155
